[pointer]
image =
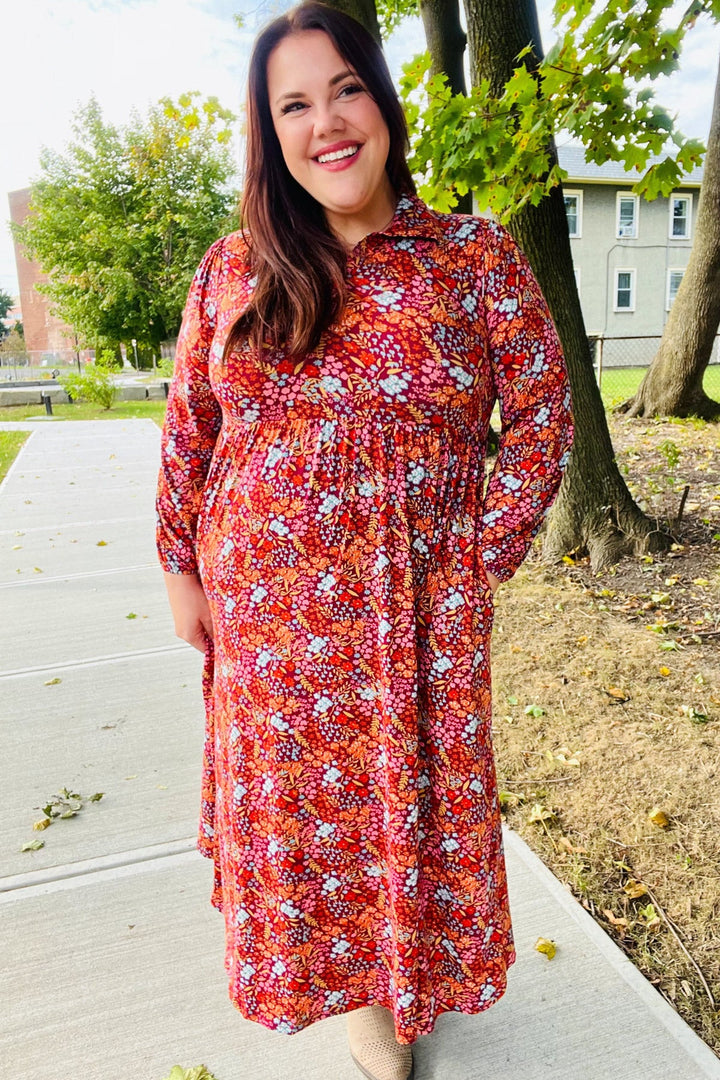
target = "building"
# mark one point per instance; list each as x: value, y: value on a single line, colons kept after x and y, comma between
x: 46, y: 337
x: 629, y: 254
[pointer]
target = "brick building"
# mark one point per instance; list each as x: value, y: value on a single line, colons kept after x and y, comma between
x: 44, y: 333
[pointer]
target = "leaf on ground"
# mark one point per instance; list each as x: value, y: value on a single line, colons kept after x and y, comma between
x: 53, y: 682
x: 670, y: 646
x: 614, y: 920
x: 534, y: 710
x: 540, y: 813
x: 659, y: 817
x: 101, y: 543
x: 97, y: 796
x: 198, y: 1073
x: 42, y: 824
x: 546, y: 946
x: 634, y: 888
x: 131, y: 615
x: 617, y: 694
x: 33, y: 845
x: 572, y: 849
x: 695, y: 715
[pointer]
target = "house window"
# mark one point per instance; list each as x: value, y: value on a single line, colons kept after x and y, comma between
x: 674, y: 277
x: 680, y: 217
x: 627, y: 216
x: 624, y: 290
x: 573, y: 209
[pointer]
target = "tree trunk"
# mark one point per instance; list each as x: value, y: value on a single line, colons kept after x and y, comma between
x: 362, y: 10
x: 594, y: 511
x: 446, y: 42
x: 673, y: 384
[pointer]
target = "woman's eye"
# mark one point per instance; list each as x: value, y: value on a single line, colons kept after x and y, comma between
x: 293, y: 106
x: 352, y: 88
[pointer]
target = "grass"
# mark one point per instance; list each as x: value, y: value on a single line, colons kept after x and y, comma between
x: 621, y: 383
x: 10, y: 443
x: 81, y: 410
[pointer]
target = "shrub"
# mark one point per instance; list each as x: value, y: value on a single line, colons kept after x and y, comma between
x: 95, y: 384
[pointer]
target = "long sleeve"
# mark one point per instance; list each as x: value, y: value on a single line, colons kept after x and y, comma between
x: 531, y: 384
x: 192, y: 424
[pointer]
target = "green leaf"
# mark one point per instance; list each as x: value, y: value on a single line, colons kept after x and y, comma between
x: 534, y: 710
x: 33, y: 845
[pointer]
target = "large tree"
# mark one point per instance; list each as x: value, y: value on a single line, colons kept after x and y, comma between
x: 121, y: 219
x: 673, y: 384
x: 498, y: 142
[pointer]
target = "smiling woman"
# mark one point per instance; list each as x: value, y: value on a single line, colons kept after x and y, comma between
x: 327, y: 544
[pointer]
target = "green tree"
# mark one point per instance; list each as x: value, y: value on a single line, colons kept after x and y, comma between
x: 121, y: 219
x: 498, y: 142
x: 7, y: 302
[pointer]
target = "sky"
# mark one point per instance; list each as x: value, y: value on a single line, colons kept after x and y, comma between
x: 129, y: 53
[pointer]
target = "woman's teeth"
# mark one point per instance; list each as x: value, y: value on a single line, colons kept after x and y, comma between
x: 337, y: 155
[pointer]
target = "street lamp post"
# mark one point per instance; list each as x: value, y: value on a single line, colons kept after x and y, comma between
x: 133, y: 342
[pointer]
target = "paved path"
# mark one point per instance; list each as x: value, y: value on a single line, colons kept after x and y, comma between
x: 112, y: 955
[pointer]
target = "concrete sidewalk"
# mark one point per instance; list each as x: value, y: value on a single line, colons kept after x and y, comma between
x: 112, y: 955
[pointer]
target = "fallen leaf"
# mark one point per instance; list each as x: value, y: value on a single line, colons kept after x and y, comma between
x: 101, y: 543
x: 33, y: 845
x: 53, y: 682
x: 612, y: 918
x: 96, y: 797
x: 546, y: 946
x: 659, y: 817
x: 131, y: 615
x: 42, y: 824
x: 540, y: 813
x: 701, y: 581
x: 634, y: 889
x: 37, y: 570
x: 617, y: 694
x: 534, y: 710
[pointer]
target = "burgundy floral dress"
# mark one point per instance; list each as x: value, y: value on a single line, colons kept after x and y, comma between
x: 335, y: 513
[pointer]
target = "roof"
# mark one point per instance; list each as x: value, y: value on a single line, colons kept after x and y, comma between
x: 572, y: 160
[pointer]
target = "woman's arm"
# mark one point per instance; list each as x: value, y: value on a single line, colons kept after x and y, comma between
x: 190, y: 431
x: 530, y: 379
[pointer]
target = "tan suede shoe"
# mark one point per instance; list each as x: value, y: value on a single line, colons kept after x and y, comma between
x: 374, y: 1048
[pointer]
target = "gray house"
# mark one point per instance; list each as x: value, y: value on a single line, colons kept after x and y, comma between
x: 629, y: 254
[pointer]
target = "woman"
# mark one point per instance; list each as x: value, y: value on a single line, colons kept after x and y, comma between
x: 327, y: 544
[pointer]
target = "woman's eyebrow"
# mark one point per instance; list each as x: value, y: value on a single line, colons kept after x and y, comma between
x: 335, y: 79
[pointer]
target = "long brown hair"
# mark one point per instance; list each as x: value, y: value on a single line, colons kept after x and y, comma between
x: 298, y: 262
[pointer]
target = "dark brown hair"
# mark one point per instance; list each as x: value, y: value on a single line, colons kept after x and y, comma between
x: 298, y: 261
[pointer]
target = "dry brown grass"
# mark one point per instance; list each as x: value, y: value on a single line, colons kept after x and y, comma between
x: 642, y: 720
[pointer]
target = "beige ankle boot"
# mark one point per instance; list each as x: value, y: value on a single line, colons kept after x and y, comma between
x: 374, y: 1048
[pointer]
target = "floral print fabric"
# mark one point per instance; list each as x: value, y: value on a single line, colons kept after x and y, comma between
x: 335, y: 512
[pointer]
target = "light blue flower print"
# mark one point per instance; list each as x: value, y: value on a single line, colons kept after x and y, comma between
x: 278, y: 526
x: 508, y: 305
x: 331, y: 884
x: 274, y: 454
x: 488, y: 991
x: 258, y: 594
x: 395, y: 386
x: 227, y: 547
x: 331, y: 775
x: 251, y: 414
x: 542, y: 415
x: 461, y: 377
x: 441, y: 664
x: 469, y: 302
x: 477, y: 786
x: 340, y: 947
x: 279, y: 722
x: 405, y: 999
x: 366, y: 489
x: 491, y: 517
x: 420, y: 546
x: 443, y: 893
x: 381, y: 561
x: 284, y: 1027
x: 267, y: 789
x: 449, y: 844
x: 264, y: 658
x: 473, y: 723
x: 290, y: 910
x: 449, y: 947
x: 384, y: 628
x: 389, y: 298
x: 230, y: 605
x: 329, y: 503
x: 246, y: 972
x: 454, y: 601
x: 326, y: 582
x: 367, y: 693
x: 316, y: 645
x: 241, y: 916
x: 332, y: 385
x: 325, y: 828
x: 466, y: 230
x: 510, y: 483
x: 327, y: 430
x: 322, y: 704
x: 278, y: 967
x: 239, y: 792
x: 334, y: 997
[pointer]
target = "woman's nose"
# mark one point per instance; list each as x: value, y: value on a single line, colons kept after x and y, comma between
x: 328, y: 120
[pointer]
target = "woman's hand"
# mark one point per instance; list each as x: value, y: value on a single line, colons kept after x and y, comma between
x: 190, y: 609
x: 492, y: 582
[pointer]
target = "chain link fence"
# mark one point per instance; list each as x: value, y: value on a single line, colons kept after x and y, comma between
x: 621, y: 362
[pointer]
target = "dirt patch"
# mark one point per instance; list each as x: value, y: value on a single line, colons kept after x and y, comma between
x: 607, y: 723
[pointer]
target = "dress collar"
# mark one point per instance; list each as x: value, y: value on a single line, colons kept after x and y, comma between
x: 413, y: 217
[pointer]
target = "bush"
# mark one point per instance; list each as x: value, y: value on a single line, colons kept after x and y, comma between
x: 95, y: 384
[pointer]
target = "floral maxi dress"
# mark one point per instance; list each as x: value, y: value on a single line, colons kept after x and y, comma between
x: 335, y: 513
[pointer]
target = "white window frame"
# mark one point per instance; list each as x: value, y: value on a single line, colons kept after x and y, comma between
x: 672, y: 270
x: 632, y: 272
x: 675, y: 197
x: 578, y: 195
x: 635, y: 199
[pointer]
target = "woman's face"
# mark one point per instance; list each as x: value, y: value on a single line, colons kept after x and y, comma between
x: 333, y: 137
